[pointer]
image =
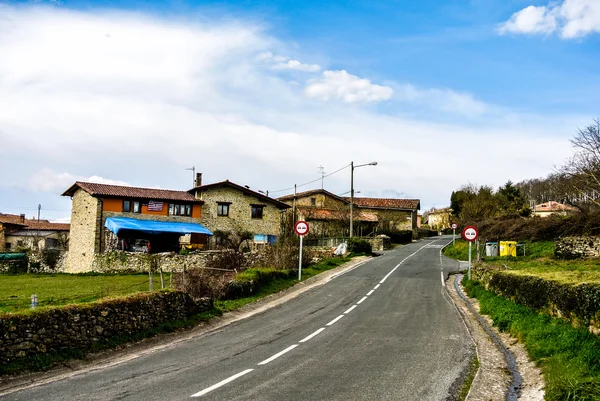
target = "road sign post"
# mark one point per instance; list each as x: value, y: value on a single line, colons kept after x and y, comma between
x: 301, y: 228
x: 470, y: 233
x: 454, y: 226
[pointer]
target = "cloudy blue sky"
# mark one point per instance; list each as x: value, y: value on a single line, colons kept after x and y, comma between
x: 439, y: 93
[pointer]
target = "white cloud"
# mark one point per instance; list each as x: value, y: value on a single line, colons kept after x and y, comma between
x: 442, y: 99
x: 347, y: 87
x: 140, y: 99
x: 572, y: 18
x: 46, y: 180
x: 296, y: 65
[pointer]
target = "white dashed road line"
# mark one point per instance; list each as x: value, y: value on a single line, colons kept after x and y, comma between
x: 350, y: 309
x: 370, y: 292
x: 377, y: 286
x: 305, y: 339
x: 334, y: 320
x: 361, y: 300
x: 221, y: 383
x: 277, y: 355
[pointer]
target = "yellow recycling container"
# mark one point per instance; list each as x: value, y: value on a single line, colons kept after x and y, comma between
x: 508, y: 248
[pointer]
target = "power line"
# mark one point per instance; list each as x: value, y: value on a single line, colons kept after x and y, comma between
x: 310, y: 182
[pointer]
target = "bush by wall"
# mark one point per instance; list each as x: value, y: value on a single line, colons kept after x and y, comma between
x: 81, y: 327
x: 400, y: 237
x: 359, y: 245
x: 578, y: 303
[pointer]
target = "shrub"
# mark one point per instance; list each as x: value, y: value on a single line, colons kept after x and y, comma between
x: 400, y: 237
x: 51, y: 258
x: 284, y: 255
x: 228, y: 259
x: 203, y: 283
x: 359, y: 245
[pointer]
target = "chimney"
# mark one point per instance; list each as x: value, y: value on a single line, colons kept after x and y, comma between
x: 22, y: 218
x: 198, y: 182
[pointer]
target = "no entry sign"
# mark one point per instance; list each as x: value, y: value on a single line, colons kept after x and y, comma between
x: 301, y: 228
x: 470, y: 233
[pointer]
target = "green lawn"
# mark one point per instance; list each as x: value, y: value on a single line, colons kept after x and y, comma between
x: 62, y: 289
x: 569, y: 357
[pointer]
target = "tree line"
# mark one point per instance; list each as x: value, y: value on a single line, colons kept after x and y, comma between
x: 575, y: 183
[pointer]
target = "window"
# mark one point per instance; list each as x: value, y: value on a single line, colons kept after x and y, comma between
x: 51, y: 243
x: 176, y: 209
x: 313, y: 201
x: 223, y: 208
x: 257, y: 211
x: 126, y: 206
x: 137, y: 207
x: 8, y: 244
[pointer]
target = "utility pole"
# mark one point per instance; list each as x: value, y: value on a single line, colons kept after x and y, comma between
x: 351, y: 194
x: 193, y: 168
x: 322, y: 172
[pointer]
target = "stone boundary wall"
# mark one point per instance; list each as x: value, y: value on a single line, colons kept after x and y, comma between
x: 119, y: 261
x: 35, y: 264
x: 577, y: 247
x: 577, y: 303
x: 81, y: 326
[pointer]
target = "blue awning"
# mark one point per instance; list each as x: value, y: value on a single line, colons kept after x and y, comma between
x: 115, y: 224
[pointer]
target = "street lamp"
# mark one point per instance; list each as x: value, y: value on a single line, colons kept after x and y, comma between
x: 352, y: 167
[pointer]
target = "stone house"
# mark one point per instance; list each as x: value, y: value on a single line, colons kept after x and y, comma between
x: 18, y: 232
x: 329, y: 214
x: 113, y: 217
x: 439, y: 219
x: 549, y: 208
x: 229, y: 207
x: 393, y: 214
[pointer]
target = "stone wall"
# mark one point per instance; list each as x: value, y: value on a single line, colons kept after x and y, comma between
x: 240, y: 212
x: 81, y: 326
x: 577, y: 247
x: 84, y: 237
x: 139, y: 262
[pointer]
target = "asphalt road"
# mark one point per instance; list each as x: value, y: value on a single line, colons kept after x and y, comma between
x: 385, y: 330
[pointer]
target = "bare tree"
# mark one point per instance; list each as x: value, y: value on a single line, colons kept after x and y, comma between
x: 583, y: 168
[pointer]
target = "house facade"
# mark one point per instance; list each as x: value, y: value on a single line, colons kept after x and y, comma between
x: 17, y: 232
x: 229, y: 207
x: 549, y: 208
x: 329, y: 214
x: 439, y: 219
x: 110, y: 217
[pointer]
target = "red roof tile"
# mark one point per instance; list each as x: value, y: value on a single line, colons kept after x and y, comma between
x: 120, y: 191
x: 312, y: 192
x: 33, y: 224
x: 553, y: 206
x: 387, y: 203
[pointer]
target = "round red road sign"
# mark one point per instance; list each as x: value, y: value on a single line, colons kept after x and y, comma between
x: 470, y: 233
x: 454, y: 226
x: 301, y: 227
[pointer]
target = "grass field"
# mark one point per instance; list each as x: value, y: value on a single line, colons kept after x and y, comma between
x: 569, y: 357
x: 64, y: 289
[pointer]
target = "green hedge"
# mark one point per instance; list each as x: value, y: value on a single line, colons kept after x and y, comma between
x: 358, y: 245
x: 250, y: 281
x: 579, y: 303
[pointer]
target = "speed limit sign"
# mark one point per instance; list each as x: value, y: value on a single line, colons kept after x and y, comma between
x: 470, y: 233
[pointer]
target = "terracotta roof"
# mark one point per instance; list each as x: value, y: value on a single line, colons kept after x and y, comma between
x: 248, y: 191
x: 12, y: 219
x: 119, y: 191
x: 313, y: 192
x: 312, y: 213
x: 33, y: 224
x: 553, y: 206
x: 387, y: 203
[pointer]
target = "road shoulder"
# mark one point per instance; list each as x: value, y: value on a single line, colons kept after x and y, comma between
x: 493, y: 379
